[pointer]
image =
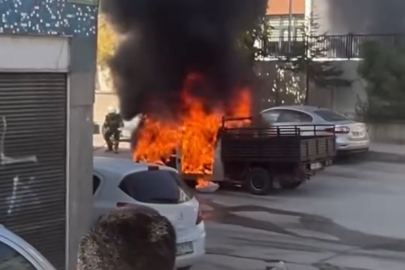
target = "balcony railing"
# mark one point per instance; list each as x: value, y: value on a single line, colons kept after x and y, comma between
x: 332, y: 46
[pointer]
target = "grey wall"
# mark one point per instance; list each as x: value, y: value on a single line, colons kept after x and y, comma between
x: 342, y: 99
x: 360, y: 16
x: 387, y: 132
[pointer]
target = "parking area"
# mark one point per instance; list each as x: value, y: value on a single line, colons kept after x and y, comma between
x: 350, y: 216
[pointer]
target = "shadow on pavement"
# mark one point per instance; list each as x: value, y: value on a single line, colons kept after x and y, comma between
x: 370, y: 156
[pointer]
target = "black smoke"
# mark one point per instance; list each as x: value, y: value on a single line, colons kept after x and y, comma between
x: 165, y: 40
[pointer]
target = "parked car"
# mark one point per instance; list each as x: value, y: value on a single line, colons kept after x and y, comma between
x: 15, y: 253
x: 351, y: 136
x: 124, y: 183
x: 129, y: 127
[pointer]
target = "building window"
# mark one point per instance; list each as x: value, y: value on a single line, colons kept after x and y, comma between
x: 278, y: 44
x: 280, y: 26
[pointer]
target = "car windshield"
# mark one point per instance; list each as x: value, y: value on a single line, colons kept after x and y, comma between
x: 331, y: 116
x: 161, y: 186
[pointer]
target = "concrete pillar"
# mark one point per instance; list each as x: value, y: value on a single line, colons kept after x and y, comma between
x: 80, y: 143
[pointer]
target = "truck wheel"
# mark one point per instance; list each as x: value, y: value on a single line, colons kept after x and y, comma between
x: 291, y: 185
x: 258, y: 181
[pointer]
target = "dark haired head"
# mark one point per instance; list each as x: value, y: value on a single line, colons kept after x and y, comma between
x: 129, y: 239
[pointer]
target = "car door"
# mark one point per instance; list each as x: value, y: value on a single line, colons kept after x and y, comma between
x: 291, y: 119
x: 17, y: 256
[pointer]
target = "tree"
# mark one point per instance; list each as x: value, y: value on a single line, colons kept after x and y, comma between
x: 383, y: 68
x: 107, y: 41
x: 308, y: 57
x: 254, y: 41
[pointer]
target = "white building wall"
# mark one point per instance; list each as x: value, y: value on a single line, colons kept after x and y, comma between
x: 34, y: 54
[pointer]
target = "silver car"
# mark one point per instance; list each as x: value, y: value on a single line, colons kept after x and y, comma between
x: 351, y: 136
x: 15, y: 253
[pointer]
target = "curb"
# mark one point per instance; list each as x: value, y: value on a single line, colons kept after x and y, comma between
x: 384, y: 157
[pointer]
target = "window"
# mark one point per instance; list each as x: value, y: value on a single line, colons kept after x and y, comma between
x: 10, y: 259
x: 288, y: 116
x: 271, y: 116
x: 159, y: 186
x: 96, y: 183
x: 331, y: 116
x: 280, y: 24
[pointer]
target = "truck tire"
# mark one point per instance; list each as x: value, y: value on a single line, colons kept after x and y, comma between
x: 258, y: 181
x: 291, y: 185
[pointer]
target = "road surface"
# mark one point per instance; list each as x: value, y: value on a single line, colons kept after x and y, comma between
x: 349, y: 217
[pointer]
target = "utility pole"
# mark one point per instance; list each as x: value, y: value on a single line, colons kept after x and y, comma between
x: 289, y: 25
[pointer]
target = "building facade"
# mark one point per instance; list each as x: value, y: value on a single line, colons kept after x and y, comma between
x: 369, y: 17
x: 47, y: 73
x: 339, y: 17
x: 278, y: 13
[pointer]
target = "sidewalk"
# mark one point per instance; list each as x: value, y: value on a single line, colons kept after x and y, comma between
x: 99, y: 148
x: 98, y: 142
x: 385, y: 152
x: 398, y: 149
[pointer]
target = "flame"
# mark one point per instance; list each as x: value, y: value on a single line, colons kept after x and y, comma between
x: 201, y: 183
x: 193, y: 135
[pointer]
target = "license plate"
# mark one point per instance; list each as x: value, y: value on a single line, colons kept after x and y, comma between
x: 358, y: 134
x: 184, y: 248
x: 316, y: 166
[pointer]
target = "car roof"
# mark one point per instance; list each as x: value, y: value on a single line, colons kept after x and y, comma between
x: 120, y: 167
x: 26, y: 247
x: 304, y: 108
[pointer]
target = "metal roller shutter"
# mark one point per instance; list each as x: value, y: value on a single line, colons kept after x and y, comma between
x: 33, y: 160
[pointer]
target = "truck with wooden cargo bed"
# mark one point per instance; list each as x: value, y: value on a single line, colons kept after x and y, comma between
x: 261, y: 157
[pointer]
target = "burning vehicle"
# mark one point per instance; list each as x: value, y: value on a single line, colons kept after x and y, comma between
x: 240, y: 149
x: 180, y: 64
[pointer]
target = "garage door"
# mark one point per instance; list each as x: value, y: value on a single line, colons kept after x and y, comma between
x: 33, y: 160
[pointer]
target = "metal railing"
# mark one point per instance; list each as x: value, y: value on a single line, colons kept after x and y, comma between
x: 333, y: 46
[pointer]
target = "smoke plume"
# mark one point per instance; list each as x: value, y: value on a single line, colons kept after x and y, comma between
x: 167, y: 40
x: 361, y: 16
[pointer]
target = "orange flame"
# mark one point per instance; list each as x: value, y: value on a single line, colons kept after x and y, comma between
x: 193, y: 135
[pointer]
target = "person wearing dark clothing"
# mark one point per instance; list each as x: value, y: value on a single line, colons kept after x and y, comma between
x: 112, y: 129
x: 129, y: 239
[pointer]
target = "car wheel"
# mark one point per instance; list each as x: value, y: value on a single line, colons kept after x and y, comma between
x: 258, y: 181
x: 290, y: 185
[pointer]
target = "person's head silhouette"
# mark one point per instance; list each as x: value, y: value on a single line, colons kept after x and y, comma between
x: 129, y: 239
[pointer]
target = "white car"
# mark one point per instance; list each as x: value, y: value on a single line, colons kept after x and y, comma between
x: 351, y: 136
x: 129, y: 127
x: 122, y: 183
x: 15, y: 254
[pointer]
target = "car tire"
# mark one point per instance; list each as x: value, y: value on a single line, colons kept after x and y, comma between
x: 290, y: 185
x: 258, y: 181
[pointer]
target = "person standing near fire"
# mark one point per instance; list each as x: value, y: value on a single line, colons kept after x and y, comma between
x: 112, y: 126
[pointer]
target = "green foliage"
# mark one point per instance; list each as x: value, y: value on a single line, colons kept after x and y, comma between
x: 107, y: 41
x: 383, y: 68
x: 305, y: 55
x: 253, y: 42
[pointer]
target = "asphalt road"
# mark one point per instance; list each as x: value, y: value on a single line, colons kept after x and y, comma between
x: 349, y: 217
